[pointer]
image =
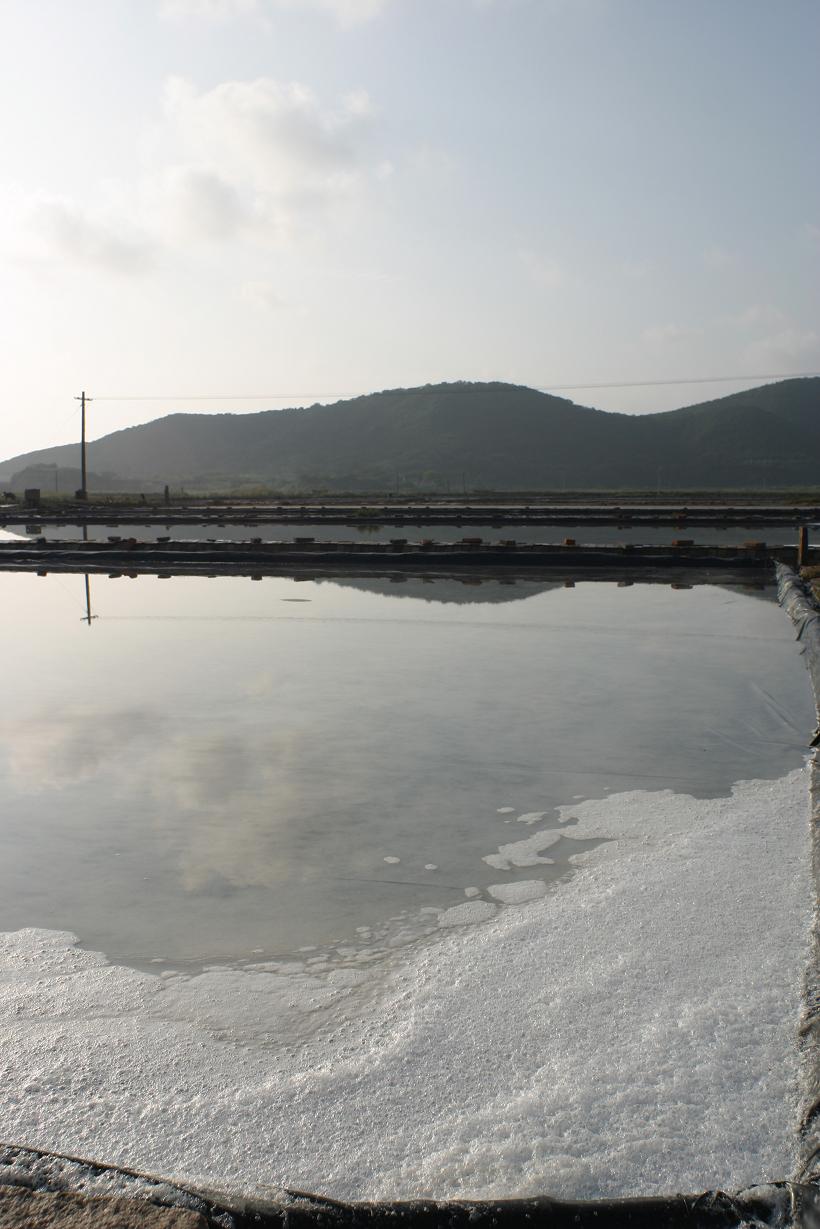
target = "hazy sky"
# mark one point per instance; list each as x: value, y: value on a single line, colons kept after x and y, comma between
x: 325, y: 197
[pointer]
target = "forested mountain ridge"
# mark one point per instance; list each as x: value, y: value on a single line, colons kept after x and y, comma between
x: 474, y: 435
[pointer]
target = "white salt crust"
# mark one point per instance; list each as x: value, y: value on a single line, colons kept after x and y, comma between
x: 633, y: 1031
x: 469, y: 913
x: 518, y: 892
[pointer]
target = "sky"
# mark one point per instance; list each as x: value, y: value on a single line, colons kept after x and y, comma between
x: 300, y: 200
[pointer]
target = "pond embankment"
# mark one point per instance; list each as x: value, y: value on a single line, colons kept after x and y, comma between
x: 525, y: 510
x: 255, y: 555
x: 799, y: 602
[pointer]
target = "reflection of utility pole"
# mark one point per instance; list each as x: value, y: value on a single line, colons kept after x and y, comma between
x: 88, y: 616
x: 83, y: 491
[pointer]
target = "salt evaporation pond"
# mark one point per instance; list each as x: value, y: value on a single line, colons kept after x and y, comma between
x: 423, y: 889
x: 413, y: 531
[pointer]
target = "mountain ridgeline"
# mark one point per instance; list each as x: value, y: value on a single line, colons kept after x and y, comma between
x: 455, y: 436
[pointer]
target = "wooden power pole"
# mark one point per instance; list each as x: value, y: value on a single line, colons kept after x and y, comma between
x: 83, y: 491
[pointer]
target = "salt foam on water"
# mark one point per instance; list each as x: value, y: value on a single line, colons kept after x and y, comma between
x: 632, y: 1031
x: 516, y: 893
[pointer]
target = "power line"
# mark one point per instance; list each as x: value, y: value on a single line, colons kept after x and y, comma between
x: 541, y: 388
x: 781, y: 375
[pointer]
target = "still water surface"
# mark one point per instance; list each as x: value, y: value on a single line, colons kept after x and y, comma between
x: 223, y: 769
x: 276, y: 531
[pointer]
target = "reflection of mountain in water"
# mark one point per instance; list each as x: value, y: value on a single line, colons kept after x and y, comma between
x: 472, y: 591
x: 767, y: 593
x: 447, y: 589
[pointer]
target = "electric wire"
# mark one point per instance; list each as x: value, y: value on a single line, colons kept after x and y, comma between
x: 456, y: 391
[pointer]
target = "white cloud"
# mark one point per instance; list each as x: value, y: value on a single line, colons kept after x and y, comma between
x: 758, y: 314
x: 345, y: 12
x: 203, y: 203
x: 661, y: 334
x: 66, y: 232
x: 267, y: 132
x: 265, y: 294
x: 541, y: 271
x: 789, y: 348
x: 774, y: 341
x: 358, y: 102
x: 262, y: 161
x: 209, y: 10
x: 717, y: 257
x: 265, y: 155
x: 431, y: 161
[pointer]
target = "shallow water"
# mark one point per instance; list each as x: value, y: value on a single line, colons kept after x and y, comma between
x: 223, y: 769
x: 387, y: 891
x: 286, y: 531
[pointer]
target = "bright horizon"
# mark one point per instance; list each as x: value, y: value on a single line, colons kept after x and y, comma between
x: 334, y: 197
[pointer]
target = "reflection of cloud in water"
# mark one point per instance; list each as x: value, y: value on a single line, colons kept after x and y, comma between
x: 48, y: 752
x: 261, y: 684
x: 218, y: 802
x: 224, y: 801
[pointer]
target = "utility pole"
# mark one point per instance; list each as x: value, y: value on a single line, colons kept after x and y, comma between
x: 803, y: 546
x: 83, y: 491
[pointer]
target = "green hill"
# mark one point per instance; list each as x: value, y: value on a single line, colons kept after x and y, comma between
x: 482, y: 436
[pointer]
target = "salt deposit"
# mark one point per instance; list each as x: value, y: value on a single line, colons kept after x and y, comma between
x: 521, y: 853
x: 519, y: 892
x: 632, y: 1031
x: 470, y: 912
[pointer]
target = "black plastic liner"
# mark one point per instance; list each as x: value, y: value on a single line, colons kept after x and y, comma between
x: 798, y: 602
x: 778, y: 1205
